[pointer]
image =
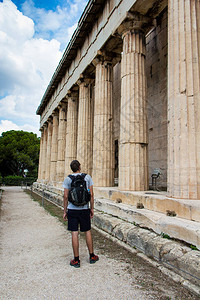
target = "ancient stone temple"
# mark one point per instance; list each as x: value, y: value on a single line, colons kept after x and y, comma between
x: 125, y: 101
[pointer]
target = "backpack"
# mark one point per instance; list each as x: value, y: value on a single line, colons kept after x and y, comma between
x: 78, y: 193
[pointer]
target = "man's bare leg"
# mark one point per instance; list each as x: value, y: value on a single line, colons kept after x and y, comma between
x: 89, y: 241
x: 75, y: 243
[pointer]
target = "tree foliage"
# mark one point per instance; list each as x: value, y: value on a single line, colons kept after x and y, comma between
x: 19, y: 150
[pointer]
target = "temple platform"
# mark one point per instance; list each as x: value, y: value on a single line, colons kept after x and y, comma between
x: 153, y: 201
x: 176, y: 218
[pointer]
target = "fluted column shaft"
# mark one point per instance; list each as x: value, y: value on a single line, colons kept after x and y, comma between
x: 61, y: 142
x: 40, y: 156
x: 71, y: 133
x: 54, y: 149
x: 103, y: 155
x: 44, y: 150
x: 184, y: 99
x: 133, y: 165
x: 48, y: 153
x: 84, y: 139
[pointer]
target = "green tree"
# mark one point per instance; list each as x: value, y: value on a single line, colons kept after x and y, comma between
x: 19, y: 150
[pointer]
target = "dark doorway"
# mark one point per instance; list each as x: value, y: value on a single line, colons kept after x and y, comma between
x: 116, y: 172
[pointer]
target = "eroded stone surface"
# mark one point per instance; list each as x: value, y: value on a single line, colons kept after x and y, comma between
x: 174, y: 255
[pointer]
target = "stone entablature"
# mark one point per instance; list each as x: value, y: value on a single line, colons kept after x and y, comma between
x: 78, y: 108
x: 102, y: 28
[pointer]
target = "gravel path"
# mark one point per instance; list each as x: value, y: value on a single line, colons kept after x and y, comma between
x: 35, y: 250
x: 35, y: 254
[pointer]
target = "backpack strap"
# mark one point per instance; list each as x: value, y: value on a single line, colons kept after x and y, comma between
x: 74, y: 176
x: 83, y: 175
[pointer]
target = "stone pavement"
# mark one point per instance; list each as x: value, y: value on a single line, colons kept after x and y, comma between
x: 35, y: 253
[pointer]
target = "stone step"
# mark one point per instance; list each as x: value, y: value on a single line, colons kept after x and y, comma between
x: 177, y: 257
x: 153, y: 201
x: 177, y: 228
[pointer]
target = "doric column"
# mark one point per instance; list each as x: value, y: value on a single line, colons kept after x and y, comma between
x: 40, y: 156
x: 133, y: 163
x: 71, y: 132
x: 61, y: 142
x: 48, y: 153
x: 54, y: 148
x: 84, y: 139
x: 103, y: 148
x: 44, y: 150
x: 184, y: 99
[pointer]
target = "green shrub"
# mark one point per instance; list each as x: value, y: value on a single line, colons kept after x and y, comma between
x: 12, y: 180
x: 18, y: 180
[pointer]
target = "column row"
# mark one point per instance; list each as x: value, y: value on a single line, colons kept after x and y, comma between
x: 89, y: 126
x: 85, y: 131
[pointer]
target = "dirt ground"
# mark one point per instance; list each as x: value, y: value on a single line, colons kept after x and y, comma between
x: 35, y: 250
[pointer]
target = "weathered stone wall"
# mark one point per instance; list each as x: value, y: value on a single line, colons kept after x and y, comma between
x: 156, y: 70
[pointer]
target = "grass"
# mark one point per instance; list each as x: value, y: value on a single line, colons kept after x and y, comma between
x: 54, y: 210
x: 165, y: 236
x: 193, y: 247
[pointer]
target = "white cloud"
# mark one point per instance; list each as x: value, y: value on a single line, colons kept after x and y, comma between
x: 29, y: 54
x: 21, y: 26
x: 7, y: 125
x: 55, y: 24
x: 26, y: 67
x: 44, y: 56
x: 71, y: 30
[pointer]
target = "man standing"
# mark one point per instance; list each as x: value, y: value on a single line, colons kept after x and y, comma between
x: 79, y: 215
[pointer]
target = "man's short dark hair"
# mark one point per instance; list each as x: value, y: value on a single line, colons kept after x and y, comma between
x: 75, y: 165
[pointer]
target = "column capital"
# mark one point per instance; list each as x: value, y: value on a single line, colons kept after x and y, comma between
x: 72, y: 94
x: 50, y: 118
x: 64, y: 100
x: 133, y: 22
x: 105, y: 57
x: 85, y: 80
x: 62, y: 105
x: 55, y: 113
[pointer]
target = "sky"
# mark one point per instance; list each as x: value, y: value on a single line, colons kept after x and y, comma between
x: 33, y: 37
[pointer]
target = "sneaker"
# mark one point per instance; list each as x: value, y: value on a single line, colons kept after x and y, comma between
x: 94, y: 259
x: 74, y: 263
